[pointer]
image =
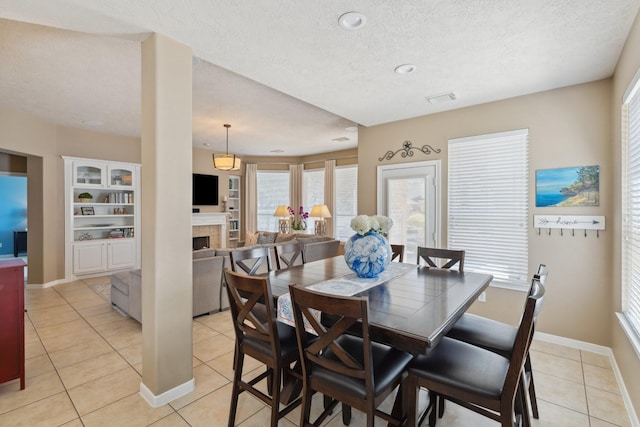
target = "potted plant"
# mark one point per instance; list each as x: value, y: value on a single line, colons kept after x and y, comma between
x: 85, y: 197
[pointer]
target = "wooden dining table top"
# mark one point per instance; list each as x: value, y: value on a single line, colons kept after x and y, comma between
x: 412, y: 311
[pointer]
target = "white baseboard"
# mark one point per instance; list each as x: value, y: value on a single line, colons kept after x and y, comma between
x: 599, y: 349
x: 45, y: 285
x: 169, y: 395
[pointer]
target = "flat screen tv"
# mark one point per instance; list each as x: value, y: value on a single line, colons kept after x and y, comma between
x: 205, y: 190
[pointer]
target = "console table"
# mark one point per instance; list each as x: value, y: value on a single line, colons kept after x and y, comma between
x: 19, y: 242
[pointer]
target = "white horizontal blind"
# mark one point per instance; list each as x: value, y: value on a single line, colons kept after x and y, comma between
x: 312, y: 188
x: 346, y: 201
x: 273, y: 190
x: 488, y: 204
x: 631, y: 207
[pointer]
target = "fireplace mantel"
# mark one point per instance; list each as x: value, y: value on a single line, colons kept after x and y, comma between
x: 207, y: 219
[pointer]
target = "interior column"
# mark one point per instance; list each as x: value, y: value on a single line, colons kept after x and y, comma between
x: 166, y: 220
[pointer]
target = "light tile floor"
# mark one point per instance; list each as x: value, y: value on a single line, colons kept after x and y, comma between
x: 84, y: 364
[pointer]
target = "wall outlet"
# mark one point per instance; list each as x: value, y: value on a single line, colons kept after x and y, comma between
x: 483, y: 297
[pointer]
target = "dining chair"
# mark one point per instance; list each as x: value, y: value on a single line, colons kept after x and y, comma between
x: 429, y: 255
x: 345, y: 368
x: 319, y: 250
x: 498, y: 337
x: 475, y: 378
x: 250, y: 260
x: 266, y: 340
x: 397, y: 252
x: 288, y: 254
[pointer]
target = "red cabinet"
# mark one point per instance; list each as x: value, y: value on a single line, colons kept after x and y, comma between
x: 12, y: 320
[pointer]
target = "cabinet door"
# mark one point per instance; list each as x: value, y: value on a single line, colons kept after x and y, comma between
x: 89, y: 257
x: 120, y: 176
x: 88, y: 174
x: 121, y: 254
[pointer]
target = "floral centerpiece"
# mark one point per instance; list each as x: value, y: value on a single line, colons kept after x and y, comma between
x: 368, y: 252
x: 299, y: 220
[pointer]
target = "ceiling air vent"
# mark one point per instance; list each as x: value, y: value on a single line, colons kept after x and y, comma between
x: 442, y: 98
x: 341, y: 139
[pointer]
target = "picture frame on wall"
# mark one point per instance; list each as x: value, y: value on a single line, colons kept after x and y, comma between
x: 568, y: 187
x: 87, y: 210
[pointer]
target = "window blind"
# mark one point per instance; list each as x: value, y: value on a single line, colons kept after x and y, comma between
x: 631, y: 208
x: 312, y: 188
x: 346, y: 199
x: 488, y: 204
x: 273, y: 190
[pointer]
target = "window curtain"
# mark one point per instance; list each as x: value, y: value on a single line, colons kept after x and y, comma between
x: 295, y: 187
x: 251, y: 197
x: 329, y: 192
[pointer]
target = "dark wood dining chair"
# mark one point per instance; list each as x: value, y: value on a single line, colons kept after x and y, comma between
x: 430, y: 255
x: 345, y: 368
x: 266, y: 340
x: 249, y: 261
x: 319, y: 250
x: 397, y: 252
x: 478, y: 379
x: 498, y: 337
x: 288, y: 254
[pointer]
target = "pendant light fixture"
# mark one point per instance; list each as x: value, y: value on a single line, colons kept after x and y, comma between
x: 227, y: 162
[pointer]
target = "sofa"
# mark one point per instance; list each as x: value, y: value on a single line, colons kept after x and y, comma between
x: 208, y: 295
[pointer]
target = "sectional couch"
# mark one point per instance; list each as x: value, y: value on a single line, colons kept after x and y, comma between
x: 208, y: 278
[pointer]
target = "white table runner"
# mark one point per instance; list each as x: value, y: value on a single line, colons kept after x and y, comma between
x: 346, y: 285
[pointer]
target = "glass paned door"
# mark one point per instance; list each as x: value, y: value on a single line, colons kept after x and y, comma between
x: 407, y: 194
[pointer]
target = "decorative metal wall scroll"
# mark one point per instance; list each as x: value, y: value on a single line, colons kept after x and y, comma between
x: 407, y: 151
x: 569, y: 222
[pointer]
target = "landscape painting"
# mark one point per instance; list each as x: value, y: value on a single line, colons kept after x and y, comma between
x: 568, y: 187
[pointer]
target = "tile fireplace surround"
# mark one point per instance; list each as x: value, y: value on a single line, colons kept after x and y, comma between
x: 212, y: 225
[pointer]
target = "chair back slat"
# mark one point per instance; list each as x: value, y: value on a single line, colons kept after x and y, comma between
x: 397, y: 252
x: 288, y: 254
x: 250, y: 303
x: 250, y: 260
x: 524, y: 335
x: 348, y: 311
x: 429, y: 255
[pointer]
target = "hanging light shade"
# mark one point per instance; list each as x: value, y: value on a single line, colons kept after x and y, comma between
x: 226, y: 162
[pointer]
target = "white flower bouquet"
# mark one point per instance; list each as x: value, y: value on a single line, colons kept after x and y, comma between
x: 363, y: 224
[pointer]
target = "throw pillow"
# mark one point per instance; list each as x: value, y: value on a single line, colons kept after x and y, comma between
x: 267, y: 237
x: 251, y: 239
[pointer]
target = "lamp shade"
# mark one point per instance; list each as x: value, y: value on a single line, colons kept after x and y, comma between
x: 320, y: 211
x: 281, y: 211
x: 226, y: 162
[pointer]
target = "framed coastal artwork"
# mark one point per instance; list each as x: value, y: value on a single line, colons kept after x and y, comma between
x: 568, y: 187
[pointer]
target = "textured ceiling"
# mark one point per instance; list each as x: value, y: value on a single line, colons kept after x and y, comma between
x: 286, y: 76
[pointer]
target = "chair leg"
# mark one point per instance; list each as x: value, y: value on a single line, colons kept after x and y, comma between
x: 346, y: 414
x: 305, y: 411
x: 532, y: 389
x: 433, y: 415
x: 275, y: 395
x: 235, y: 388
x: 412, y: 390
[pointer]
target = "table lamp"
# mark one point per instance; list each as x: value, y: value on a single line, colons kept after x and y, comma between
x: 283, y: 222
x: 322, y: 212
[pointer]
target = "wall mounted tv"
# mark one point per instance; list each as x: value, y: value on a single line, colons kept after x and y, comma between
x: 205, y: 190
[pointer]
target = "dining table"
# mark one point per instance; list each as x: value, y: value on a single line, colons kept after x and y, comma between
x: 411, y: 307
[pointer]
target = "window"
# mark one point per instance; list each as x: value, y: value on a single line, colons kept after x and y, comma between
x: 346, y: 201
x: 273, y: 190
x: 312, y: 188
x: 631, y: 210
x: 488, y: 204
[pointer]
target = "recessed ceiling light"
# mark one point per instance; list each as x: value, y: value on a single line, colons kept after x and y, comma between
x: 206, y: 144
x: 439, y: 99
x: 351, y: 128
x: 341, y: 139
x: 92, y: 122
x: 405, y: 69
x: 352, y: 20
x: 277, y: 151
